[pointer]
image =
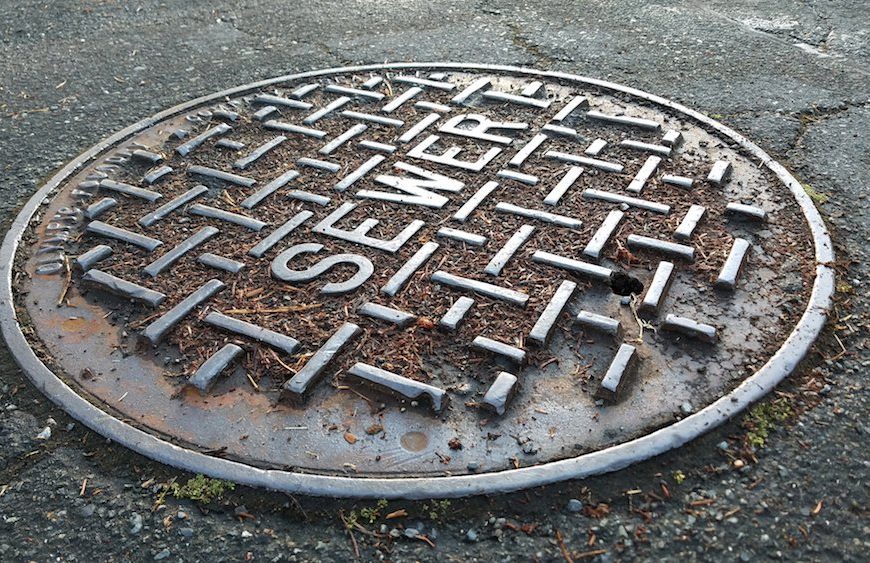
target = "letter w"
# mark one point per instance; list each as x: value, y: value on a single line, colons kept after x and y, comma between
x: 417, y: 188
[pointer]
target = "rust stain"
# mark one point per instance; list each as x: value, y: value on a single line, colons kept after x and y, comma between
x: 414, y: 441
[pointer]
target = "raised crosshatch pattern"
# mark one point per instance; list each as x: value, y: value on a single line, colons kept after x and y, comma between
x: 449, y: 246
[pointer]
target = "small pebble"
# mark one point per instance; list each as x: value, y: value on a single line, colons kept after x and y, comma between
x: 471, y: 536
x: 574, y: 505
x: 45, y: 434
x: 135, y: 523
x: 687, y: 408
x: 161, y: 555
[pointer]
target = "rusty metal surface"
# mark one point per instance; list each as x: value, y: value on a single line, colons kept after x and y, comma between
x: 407, y: 407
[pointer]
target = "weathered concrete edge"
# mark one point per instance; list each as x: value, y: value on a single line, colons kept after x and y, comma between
x: 610, y: 459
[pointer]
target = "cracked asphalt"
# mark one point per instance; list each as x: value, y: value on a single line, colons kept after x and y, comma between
x: 791, y: 76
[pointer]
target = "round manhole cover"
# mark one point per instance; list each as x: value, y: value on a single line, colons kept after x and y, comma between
x: 415, y: 280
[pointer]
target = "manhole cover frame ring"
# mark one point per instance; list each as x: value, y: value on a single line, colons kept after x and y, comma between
x: 753, y: 388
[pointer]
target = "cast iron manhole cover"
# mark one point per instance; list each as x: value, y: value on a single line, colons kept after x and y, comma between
x: 415, y: 280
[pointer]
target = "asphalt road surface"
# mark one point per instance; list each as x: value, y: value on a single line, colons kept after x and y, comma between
x: 791, y: 76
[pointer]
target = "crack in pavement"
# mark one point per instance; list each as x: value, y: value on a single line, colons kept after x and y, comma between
x: 541, y: 58
x: 847, y: 63
x: 815, y: 115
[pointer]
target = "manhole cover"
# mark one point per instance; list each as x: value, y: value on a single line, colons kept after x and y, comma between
x: 415, y: 280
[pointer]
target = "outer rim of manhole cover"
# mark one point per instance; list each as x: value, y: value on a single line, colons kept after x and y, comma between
x: 753, y: 388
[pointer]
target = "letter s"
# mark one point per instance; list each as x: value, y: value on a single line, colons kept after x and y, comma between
x: 280, y: 270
